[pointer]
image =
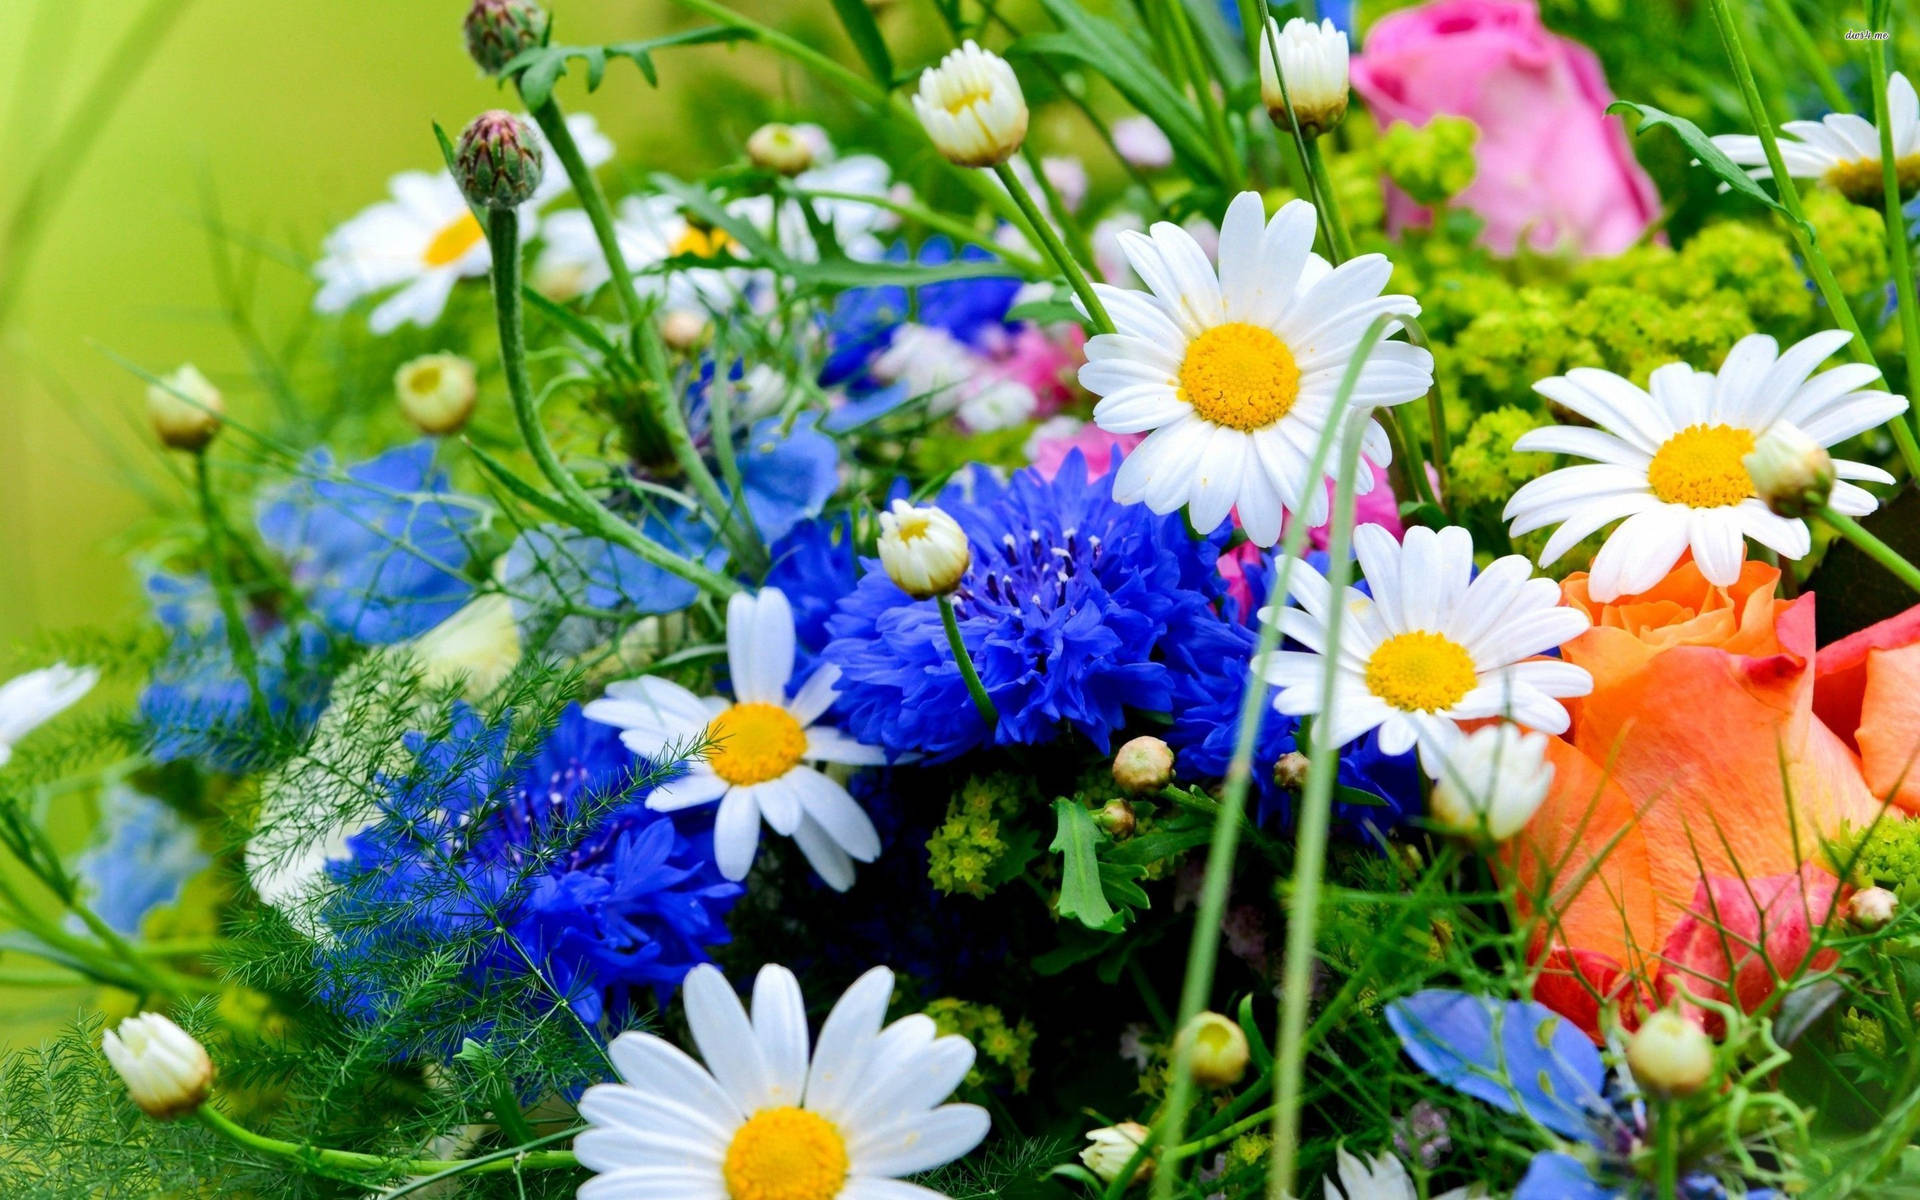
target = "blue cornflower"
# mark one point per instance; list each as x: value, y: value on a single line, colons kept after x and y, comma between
x: 606, y: 898
x: 143, y: 856
x: 379, y: 555
x: 1521, y: 1057
x: 814, y: 566
x: 1066, y: 611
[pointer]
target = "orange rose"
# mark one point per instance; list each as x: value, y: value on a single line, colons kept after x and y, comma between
x: 1867, y: 689
x: 1672, y: 771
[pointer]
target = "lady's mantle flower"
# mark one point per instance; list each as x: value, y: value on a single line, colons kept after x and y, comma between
x: 544, y: 859
x: 1069, y: 610
x: 1237, y: 371
x: 1670, y: 459
x: 29, y: 701
x: 758, y: 747
x: 1842, y: 149
x: 765, y: 1118
x: 166, y: 1071
x: 1432, y: 646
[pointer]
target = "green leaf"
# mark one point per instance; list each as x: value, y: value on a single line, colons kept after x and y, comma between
x: 1043, y: 312
x: 519, y: 487
x: 1711, y: 156
x: 540, y: 67
x: 860, y: 25
x: 1081, y: 895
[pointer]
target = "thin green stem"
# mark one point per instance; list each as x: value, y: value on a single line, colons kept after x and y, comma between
x: 1050, y: 243
x: 959, y: 231
x: 1436, y: 418
x: 1418, y: 485
x: 1076, y: 237
x: 1786, y: 19
x: 1898, y: 255
x: 975, y: 688
x: 591, y: 516
x: 1872, y: 546
x: 1188, y: 47
x: 238, y: 642
x: 1329, y: 196
x: 321, y: 1160
x: 1666, y: 1151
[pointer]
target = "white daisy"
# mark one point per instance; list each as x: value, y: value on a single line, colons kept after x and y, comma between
x: 758, y: 747
x: 425, y: 239
x: 1842, y: 149
x: 29, y: 701
x: 763, y: 1119
x: 1668, y: 459
x: 651, y: 230
x: 1434, y: 646
x: 1236, y: 373
x: 1381, y: 1177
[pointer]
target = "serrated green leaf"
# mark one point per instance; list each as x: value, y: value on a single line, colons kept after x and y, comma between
x: 1711, y: 156
x: 1081, y: 895
x: 540, y: 67
x: 857, y: 17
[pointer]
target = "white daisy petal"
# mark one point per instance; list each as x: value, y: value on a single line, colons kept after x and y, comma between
x: 837, y: 813
x: 724, y: 1034
x: 736, y: 833
x: 780, y: 1024
x: 921, y: 1141
x: 824, y: 855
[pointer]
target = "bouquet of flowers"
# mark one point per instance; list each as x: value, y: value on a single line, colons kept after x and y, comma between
x: 1120, y: 624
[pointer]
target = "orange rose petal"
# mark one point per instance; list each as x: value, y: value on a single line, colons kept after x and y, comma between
x: 1889, y: 731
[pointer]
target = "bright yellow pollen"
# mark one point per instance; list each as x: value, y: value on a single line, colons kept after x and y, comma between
x: 786, y: 1154
x: 752, y: 743
x: 703, y: 243
x: 451, y: 244
x: 1420, y: 672
x: 1240, y: 376
x: 1860, y: 179
x: 1700, y: 467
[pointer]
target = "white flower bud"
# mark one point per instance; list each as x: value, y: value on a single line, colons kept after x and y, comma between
x: 1142, y: 766
x: 166, y: 1071
x: 1215, y: 1048
x: 1873, y: 908
x: 972, y: 107
x: 1290, y: 770
x: 682, y: 329
x: 781, y: 148
x: 479, y: 645
x: 1670, y: 1055
x: 1492, y: 783
x: 1141, y: 143
x: 1790, y: 471
x: 185, y: 409
x: 437, y: 392
x: 923, y: 550
x: 1313, y: 62
x: 1113, y: 1148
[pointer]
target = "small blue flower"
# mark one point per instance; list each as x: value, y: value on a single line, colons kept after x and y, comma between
x: 814, y: 566
x: 143, y: 857
x: 607, y: 899
x: 788, y: 476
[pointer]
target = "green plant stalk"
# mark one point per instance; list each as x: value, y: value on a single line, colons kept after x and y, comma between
x: 1336, y: 220
x: 1810, y: 253
x: 1666, y: 1151
x: 591, y: 516
x: 959, y: 231
x: 238, y: 643
x: 1436, y: 417
x: 1188, y: 48
x: 1050, y: 243
x: 1788, y: 20
x: 1872, y: 546
x: 1076, y: 237
x: 742, y: 536
x: 319, y: 1159
x: 975, y: 688
x: 1898, y: 254
x: 1418, y: 485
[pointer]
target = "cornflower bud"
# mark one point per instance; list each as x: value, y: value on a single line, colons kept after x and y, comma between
x: 436, y: 392
x: 972, y: 107
x: 1215, y: 1049
x: 781, y: 148
x: 498, y: 31
x: 1790, y: 471
x: 1492, y: 783
x: 167, y: 1072
x: 1143, y: 766
x: 1670, y: 1055
x: 1113, y: 1148
x: 185, y: 409
x: 498, y: 162
x: 1313, y: 64
x: 924, y: 550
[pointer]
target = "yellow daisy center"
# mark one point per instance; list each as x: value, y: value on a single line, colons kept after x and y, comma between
x: 1860, y: 181
x: 966, y: 100
x: 1700, y: 467
x: 752, y: 743
x: 1240, y: 376
x: 786, y: 1154
x: 1420, y: 672
x: 702, y: 243
x: 451, y: 244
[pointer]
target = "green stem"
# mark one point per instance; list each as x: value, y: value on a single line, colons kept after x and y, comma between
x: 1050, y: 243
x: 975, y: 688
x: 238, y: 643
x: 1215, y: 113
x: 1336, y: 221
x: 1076, y: 238
x: 1412, y: 468
x: 591, y: 516
x: 1666, y: 1151
x: 959, y: 231
x: 1872, y: 546
x: 1896, y: 226
x: 1787, y: 19
x: 1436, y: 418
x: 320, y: 1158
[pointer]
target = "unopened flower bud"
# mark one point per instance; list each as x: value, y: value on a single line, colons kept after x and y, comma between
x: 498, y: 31
x: 185, y: 409
x: 1117, y: 818
x: 923, y: 550
x: 1492, y: 783
x: 1143, y: 766
x: 166, y: 1071
x: 972, y: 107
x: 683, y: 330
x: 1313, y: 64
x: 1670, y: 1055
x: 477, y: 646
x: 1790, y: 471
x: 1873, y: 908
x: 1113, y: 1148
x: 1215, y: 1049
x: 782, y: 148
x: 498, y: 161
x: 436, y: 392
x: 1290, y: 770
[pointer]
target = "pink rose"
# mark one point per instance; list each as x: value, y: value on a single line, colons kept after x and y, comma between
x: 1044, y: 361
x: 1554, y: 168
x: 1049, y: 450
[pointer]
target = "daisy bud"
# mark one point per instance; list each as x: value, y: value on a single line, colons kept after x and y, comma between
x: 780, y: 148
x: 1118, y: 819
x: 1873, y: 908
x: 1290, y: 770
x: 498, y: 31
x: 972, y: 107
x: 1143, y: 766
x: 1313, y: 62
x: 1492, y: 783
x: 1215, y: 1049
x: 477, y: 646
x: 166, y: 1071
x: 185, y: 409
x: 1670, y: 1055
x: 1113, y: 1148
x: 436, y: 392
x: 923, y: 550
x: 498, y: 161
x: 1790, y: 471
x: 683, y: 330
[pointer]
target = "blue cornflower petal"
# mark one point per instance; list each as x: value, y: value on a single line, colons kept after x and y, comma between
x: 787, y: 477
x: 1555, y: 1176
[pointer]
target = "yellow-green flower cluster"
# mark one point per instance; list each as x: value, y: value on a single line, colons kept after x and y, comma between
x: 1888, y: 857
x: 1863, y: 1033
x: 1485, y: 468
x: 1006, y: 1050
x: 968, y: 845
x: 1854, y: 239
x: 1434, y: 162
